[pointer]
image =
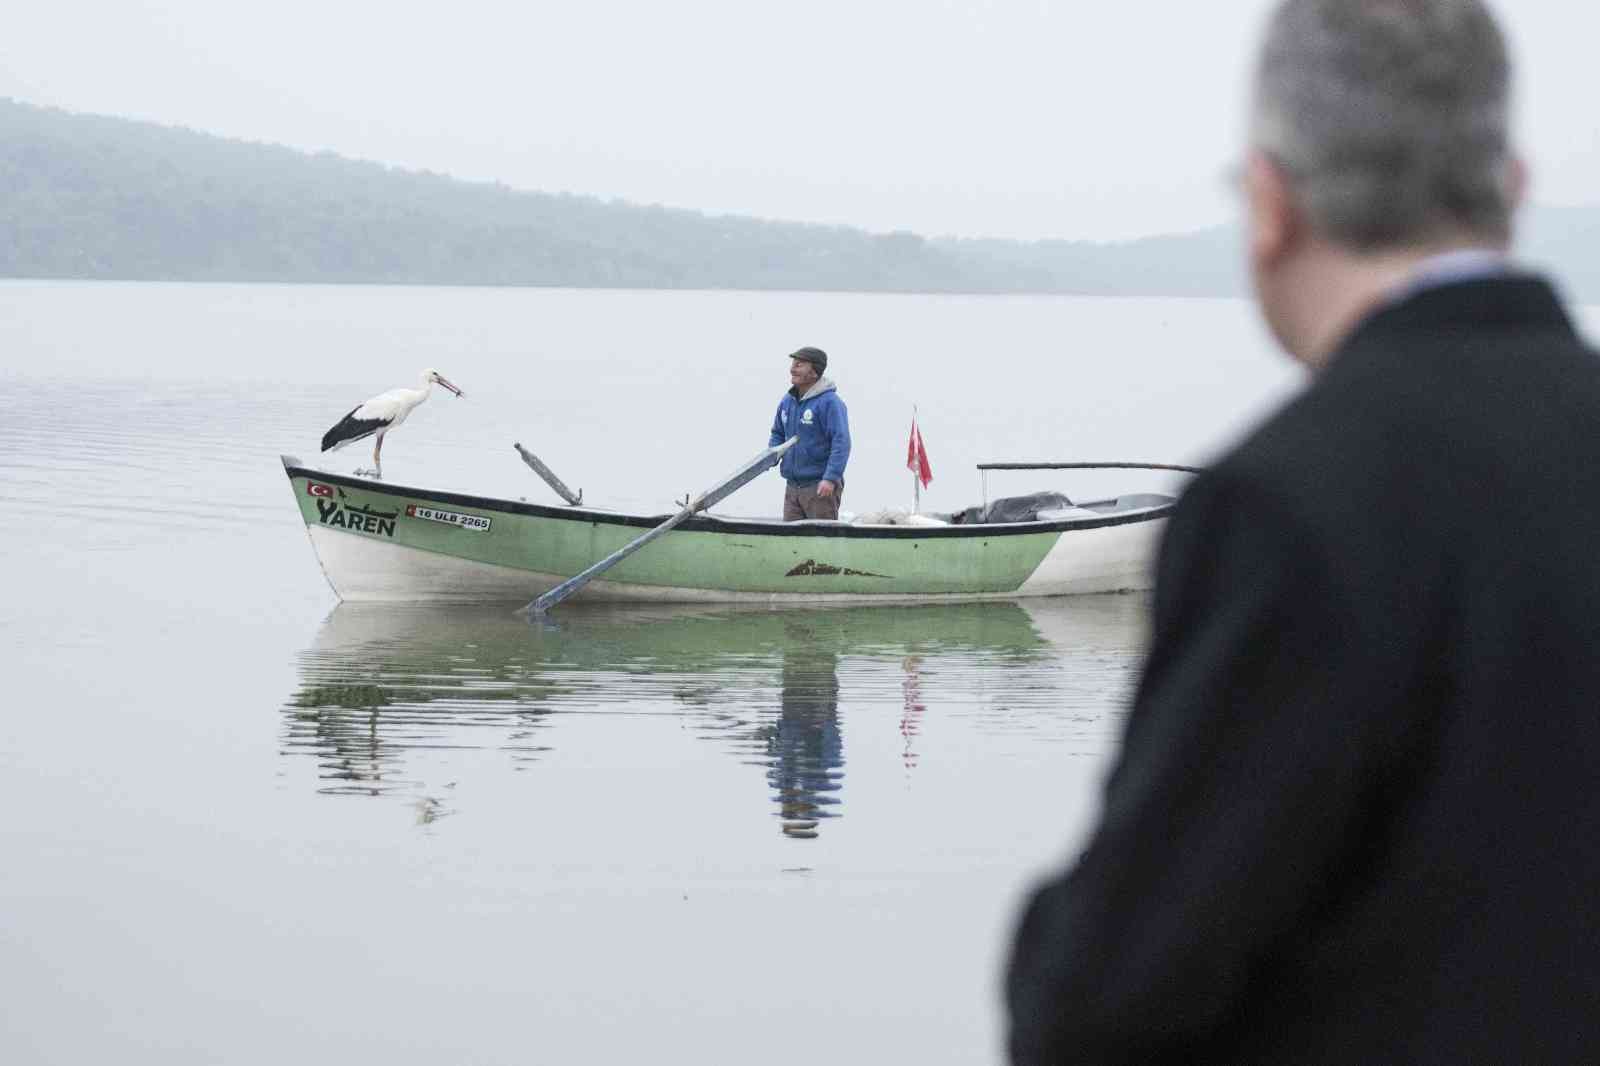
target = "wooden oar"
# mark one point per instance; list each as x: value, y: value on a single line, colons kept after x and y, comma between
x: 716, y: 493
x: 549, y: 476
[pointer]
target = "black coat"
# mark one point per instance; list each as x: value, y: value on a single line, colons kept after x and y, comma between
x: 1356, y: 814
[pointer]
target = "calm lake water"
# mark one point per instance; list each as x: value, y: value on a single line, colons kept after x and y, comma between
x: 245, y: 824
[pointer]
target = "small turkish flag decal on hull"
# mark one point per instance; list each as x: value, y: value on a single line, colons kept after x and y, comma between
x: 317, y: 488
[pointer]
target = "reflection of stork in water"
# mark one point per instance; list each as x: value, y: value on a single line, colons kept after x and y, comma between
x: 379, y: 415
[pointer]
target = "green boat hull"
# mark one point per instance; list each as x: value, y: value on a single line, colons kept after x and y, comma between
x: 392, y: 543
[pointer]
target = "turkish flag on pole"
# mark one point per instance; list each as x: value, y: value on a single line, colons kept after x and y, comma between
x: 917, y: 455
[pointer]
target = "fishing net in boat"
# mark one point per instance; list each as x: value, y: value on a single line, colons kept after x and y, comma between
x: 895, y: 517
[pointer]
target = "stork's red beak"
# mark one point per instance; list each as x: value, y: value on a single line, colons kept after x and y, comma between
x: 451, y: 387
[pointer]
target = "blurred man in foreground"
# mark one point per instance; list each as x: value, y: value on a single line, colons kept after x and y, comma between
x: 1356, y: 813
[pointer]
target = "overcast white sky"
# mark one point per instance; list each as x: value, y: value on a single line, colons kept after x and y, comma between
x: 1015, y: 118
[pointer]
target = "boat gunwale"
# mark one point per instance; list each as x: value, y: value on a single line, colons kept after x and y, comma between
x: 742, y: 526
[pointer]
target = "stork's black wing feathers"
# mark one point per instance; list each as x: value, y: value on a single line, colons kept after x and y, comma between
x: 352, y: 428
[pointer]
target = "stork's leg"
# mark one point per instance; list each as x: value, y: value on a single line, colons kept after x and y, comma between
x: 377, y: 466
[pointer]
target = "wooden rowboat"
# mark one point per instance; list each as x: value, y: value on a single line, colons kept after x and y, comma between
x: 380, y: 542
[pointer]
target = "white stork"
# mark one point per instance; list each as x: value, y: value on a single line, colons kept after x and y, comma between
x: 381, y: 414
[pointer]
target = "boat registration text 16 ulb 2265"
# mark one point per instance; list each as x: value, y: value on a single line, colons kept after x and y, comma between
x: 476, y: 523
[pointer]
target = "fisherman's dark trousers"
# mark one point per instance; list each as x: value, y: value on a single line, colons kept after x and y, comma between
x: 801, y: 501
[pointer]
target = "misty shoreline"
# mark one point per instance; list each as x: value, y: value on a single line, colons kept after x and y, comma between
x: 98, y: 198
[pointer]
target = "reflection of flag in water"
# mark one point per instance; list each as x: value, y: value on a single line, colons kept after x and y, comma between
x: 917, y: 455
x: 911, y: 714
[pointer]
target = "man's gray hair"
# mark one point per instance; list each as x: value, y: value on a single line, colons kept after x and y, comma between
x: 1389, y: 118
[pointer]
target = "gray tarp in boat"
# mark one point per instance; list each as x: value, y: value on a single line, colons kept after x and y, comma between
x: 1012, y: 509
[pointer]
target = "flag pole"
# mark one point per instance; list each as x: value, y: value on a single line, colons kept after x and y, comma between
x: 916, y: 480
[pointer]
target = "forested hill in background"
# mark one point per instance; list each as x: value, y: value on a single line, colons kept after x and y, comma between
x: 87, y: 196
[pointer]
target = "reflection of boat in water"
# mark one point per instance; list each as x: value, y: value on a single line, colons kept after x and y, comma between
x: 680, y: 638
x: 382, y: 542
x: 381, y: 682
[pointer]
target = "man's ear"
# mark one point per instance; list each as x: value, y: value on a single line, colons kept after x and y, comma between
x: 1516, y: 181
x: 1275, y: 220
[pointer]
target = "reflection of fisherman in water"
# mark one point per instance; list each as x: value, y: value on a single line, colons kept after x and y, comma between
x: 805, y: 749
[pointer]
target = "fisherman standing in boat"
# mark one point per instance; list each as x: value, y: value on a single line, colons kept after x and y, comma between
x: 813, y: 411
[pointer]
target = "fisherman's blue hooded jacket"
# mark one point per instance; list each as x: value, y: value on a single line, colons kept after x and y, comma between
x: 823, y: 424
